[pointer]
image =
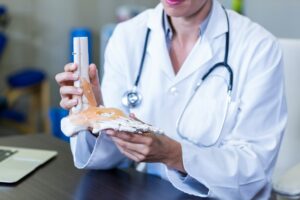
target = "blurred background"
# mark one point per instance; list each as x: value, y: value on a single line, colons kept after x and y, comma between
x: 39, y: 30
x: 35, y: 44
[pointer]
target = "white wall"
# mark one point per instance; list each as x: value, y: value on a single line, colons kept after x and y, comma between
x: 39, y: 29
x: 281, y: 17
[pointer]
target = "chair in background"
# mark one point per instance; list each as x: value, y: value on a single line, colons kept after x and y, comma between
x: 30, y: 86
x: 4, y: 19
x: 56, y: 114
x: 3, y: 41
x: 25, y: 84
x: 286, y: 180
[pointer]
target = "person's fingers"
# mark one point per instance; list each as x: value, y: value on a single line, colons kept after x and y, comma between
x: 124, y: 135
x: 67, y: 103
x: 64, y: 77
x: 138, y: 157
x: 110, y: 132
x: 136, y: 147
x: 70, y: 90
x: 129, y: 153
x: 132, y: 116
x: 93, y: 72
x: 144, y: 138
x: 119, y: 147
x: 94, y: 79
x: 70, y: 67
x: 130, y: 156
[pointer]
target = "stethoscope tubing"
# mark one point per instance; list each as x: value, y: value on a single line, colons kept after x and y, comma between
x: 130, y: 102
x: 229, y: 88
x: 137, y: 80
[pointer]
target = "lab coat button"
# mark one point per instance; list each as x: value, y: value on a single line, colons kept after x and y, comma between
x: 174, y: 91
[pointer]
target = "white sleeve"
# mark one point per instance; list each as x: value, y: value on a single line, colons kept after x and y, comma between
x: 242, y: 164
x: 96, y: 153
x: 101, y: 153
x: 115, y: 78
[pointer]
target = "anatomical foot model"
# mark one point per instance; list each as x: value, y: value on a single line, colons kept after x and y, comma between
x: 86, y: 115
x: 97, y: 119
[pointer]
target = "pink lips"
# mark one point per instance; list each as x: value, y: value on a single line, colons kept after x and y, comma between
x: 174, y: 2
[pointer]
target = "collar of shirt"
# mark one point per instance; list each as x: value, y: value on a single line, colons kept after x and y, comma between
x: 169, y: 32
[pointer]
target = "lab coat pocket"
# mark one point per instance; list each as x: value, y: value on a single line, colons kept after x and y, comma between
x: 210, y: 113
x: 231, y: 118
x: 202, y: 121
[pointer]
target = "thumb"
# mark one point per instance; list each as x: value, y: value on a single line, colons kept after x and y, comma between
x: 94, y: 79
x: 93, y: 73
x: 132, y: 116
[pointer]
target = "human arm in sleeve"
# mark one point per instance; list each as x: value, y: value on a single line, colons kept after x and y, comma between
x: 243, y: 162
x: 100, y: 152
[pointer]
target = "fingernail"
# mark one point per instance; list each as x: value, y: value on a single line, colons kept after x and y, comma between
x: 132, y: 115
x: 80, y: 91
x: 93, y: 65
x: 73, y: 101
x: 76, y: 75
x: 109, y: 132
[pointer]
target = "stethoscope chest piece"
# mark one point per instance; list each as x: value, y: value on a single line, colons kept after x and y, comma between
x: 132, y: 98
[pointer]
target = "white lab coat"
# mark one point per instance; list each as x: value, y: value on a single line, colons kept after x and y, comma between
x: 241, y: 158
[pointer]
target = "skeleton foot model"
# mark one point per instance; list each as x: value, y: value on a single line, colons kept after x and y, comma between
x: 97, y: 119
x: 87, y: 116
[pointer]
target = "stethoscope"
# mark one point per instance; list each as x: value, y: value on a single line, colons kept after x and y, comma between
x: 133, y: 98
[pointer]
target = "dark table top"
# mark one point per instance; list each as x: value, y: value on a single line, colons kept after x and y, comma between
x: 59, y: 179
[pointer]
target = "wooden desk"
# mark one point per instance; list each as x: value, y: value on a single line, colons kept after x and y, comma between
x: 59, y: 179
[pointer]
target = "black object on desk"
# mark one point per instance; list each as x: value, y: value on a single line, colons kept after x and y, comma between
x: 59, y: 179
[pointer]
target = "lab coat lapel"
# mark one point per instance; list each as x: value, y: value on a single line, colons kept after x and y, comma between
x: 200, y: 55
x: 204, y: 51
x: 217, y: 24
x: 157, y: 47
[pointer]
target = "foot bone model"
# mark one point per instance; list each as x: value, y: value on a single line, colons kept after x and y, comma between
x: 97, y: 119
x: 86, y: 115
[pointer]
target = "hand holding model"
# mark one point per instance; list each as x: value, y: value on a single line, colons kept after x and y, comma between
x: 80, y: 92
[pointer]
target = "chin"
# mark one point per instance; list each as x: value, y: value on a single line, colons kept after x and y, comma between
x: 182, y: 8
x: 178, y: 11
x: 174, y: 13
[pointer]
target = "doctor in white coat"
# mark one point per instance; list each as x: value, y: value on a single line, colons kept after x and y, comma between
x: 224, y: 146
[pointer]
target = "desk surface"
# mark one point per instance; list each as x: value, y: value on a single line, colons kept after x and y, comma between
x: 59, y: 179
